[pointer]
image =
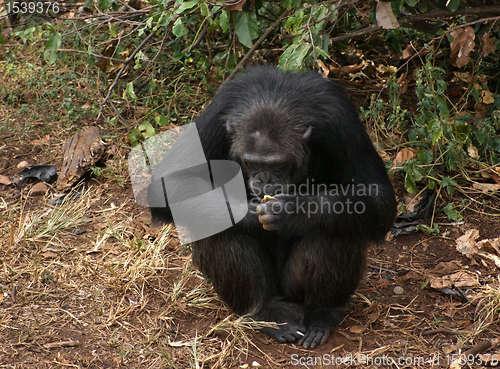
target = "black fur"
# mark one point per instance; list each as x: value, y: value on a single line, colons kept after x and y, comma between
x: 291, y: 129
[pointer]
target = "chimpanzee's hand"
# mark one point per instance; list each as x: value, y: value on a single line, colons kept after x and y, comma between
x: 273, y: 210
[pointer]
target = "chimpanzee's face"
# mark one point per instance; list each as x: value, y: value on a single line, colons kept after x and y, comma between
x: 270, y: 163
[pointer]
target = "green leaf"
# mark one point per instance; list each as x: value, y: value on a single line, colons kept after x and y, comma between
x: 112, y: 31
x: 412, y: 135
x: 450, y: 156
x: 294, y: 55
x: 130, y: 90
x: 437, y: 135
x: 185, y: 5
x: 51, y: 47
x: 417, y: 173
x: 204, y: 9
x: 224, y: 21
x: 449, y: 184
x: 52, y: 56
x: 433, y: 231
x: 452, y: 5
x: 411, y: 3
x: 53, y: 42
x: 246, y: 28
x: 179, y: 29
x: 475, y: 93
x: 104, y: 4
x: 290, y: 3
x: 320, y: 52
x: 451, y: 213
x: 135, y: 136
x: 147, y: 128
x: 410, y: 184
x: 161, y: 121
x: 214, y: 9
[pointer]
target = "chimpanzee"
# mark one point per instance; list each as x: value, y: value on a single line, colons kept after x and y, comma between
x: 318, y: 196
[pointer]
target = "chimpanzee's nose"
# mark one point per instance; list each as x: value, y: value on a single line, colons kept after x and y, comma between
x: 264, y: 177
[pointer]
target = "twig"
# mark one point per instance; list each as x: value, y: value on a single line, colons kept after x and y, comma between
x: 125, y: 65
x: 442, y: 330
x: 358, y: 32
x: 258, y: 43
x: 422, y: 50
x: 481, y: 346
x: 449, y: 13
x: 198, y: 40
x: 61, y: 344
x: 430, y: 15
x: 94, y: 55
x: 118, y: 113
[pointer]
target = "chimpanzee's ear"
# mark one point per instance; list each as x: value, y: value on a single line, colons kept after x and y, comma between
x: 307, y: 134
x: 229, y: 128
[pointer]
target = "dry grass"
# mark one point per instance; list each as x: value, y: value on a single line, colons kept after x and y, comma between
x: 122, y: 295
x: 108, y: 297
x: 487, y: 305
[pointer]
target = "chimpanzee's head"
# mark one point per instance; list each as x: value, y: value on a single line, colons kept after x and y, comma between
x: 270, y: 145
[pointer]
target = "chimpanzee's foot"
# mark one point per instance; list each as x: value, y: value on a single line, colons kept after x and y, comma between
x: 320, y: 323
x: 288, y: 316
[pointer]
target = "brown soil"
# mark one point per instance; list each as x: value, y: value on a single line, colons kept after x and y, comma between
x: 114, y: 296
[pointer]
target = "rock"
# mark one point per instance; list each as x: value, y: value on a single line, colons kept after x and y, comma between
x: 5, y: 180
x: 398, y: 290
x: 39, y: 189
x: 23, y: 165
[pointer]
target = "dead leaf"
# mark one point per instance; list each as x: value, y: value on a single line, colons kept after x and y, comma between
x: 109, y: 50
x: 403, y: 82
x: 409, y: 51
x: 462, y: 76
x: 487, y: 248
x: 494, y: 258
x: 385, y: 16
x: 494, y: 175
x: 447, y: 267
x: 487, y: 97
x: 324, y: 71
x: 5, y: 180
x: 488, y: 46
x: 356, y: 329
x: 459, y: 280
x: 375, y: 314
x: 490, y: 245
x: 352, y: 68
x: 462, y: 45
x: 402, y: 156
x: 387, y: 69
x: 466, y: 244
x: 486, y: 187
x: 472, y: 151
x: 136, y: 4
x: 238, y: 7
x: 42, y: 141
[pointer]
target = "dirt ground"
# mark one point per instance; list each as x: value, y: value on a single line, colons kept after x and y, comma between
x: 90, y: 284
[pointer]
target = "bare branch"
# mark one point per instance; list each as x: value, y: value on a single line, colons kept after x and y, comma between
x: 258, y: 43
